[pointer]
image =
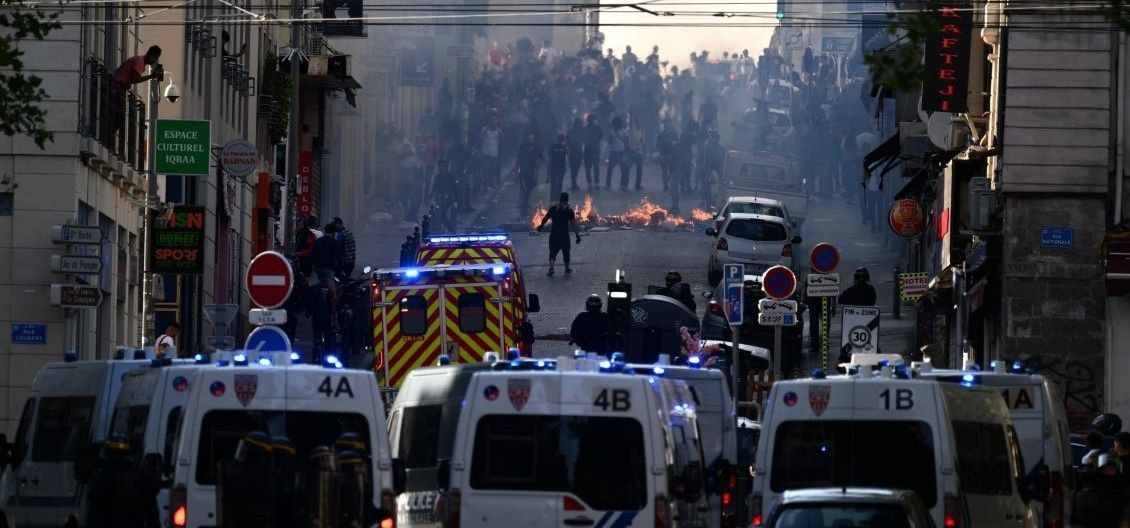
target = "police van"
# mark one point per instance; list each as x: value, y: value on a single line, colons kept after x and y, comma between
x: 954, y: 445
x: 1041, y: 425
x: 62, y: 426
x: 230, y: 403
x: 716, y: 416
x: 422, y: 425
x: 543, y: 447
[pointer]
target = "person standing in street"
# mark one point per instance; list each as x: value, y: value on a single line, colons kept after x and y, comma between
x: 593, y: 137
x: 166, y: 344
x: 665, y: 143
x: 325, y: 266
x: 591, y: 328
x: 617, y: 148
x: 635, y: 155
x: 564, y: 220
x: 526, y: 169
x: 575, y: 140
x: 861, y: 293
x: 490, y: 141
x: 347, y: 245
x: 558, y: 164
x: 120, y: 495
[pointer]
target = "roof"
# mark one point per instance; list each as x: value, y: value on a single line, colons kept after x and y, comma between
x: 754, y: 216
x: 467, y: 239
x: 755, y: 199
x: 850, y: 494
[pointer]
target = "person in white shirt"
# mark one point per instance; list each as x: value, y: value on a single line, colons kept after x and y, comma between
x: 491, y: 139
x: 166, y: 345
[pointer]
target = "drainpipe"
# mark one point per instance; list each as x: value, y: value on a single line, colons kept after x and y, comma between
x: 1120, y: 117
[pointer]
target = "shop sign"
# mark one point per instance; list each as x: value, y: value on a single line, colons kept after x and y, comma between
x: 304, y: 202
x: 906, y: 218
x: 947, y: 60
x: 239, y: 158
x: 178, y: 241
x: 183, y: 147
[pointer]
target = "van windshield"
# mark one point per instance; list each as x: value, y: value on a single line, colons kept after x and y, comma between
x: 222, y: 430
x: 863, y: 515
x: 599, y: 460
x: 834, y: 453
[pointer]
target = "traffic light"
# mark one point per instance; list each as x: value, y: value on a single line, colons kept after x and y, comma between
x: 780, y: 9
x: 620, y: 305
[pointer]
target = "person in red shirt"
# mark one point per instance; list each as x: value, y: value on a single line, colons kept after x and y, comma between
x: 129, y: 73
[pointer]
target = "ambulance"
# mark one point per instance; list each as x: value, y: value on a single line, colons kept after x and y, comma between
x: 717, y: 419
x: 955, y: 445
x: 484, y: 248
x: 540, y: 443
x: 1041, y: 425
x: 311, y: 405
x: 462, y: 311
x: 64, y: 422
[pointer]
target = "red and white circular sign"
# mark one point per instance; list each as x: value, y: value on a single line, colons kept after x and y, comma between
x: 269, y: 280
x: 906, y: 218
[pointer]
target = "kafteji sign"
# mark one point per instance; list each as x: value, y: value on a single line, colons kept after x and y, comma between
x: 947, y: 60
x: 178, y: 241
x: 183, y: 147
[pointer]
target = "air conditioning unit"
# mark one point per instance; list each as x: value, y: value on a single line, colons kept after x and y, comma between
x: 980, y: 204
x: 330, y: 65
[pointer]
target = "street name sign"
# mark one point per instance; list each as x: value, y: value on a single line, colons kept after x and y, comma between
x: 75, y: 296
x: 78, y: 264
x: 67, y: 234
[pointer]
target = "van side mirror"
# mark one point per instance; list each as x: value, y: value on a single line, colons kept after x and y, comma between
x: 399, y: 476
x: 534, y: 305
x: 443, y: 474
x: 86, y: 459
x: 151, y: 467
x: 710, y: 231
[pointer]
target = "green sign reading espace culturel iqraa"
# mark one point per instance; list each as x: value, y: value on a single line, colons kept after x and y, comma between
x: 183, y: 146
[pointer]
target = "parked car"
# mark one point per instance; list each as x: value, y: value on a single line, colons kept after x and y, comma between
x: 752, y: 204
x: 757, y: 241
x: 849, y: 507
x: 715, y: 327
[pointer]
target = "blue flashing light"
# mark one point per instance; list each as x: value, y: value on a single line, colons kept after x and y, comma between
x: 823, y: 448
x: 200, y: 359
x: 658, y: 371
x: 617, y: 357
x: 444, y: 359
x: 1018, y: 366
x: 222, y: 363
x: 818, y: 374
x: 139, y: 353
x: 541, y: 364
x: 265, y: 361
x: 239, y: 359
x: 514, y: 354
x: 70, y: 357
x: 515, y: 363
x: 968, y: 380
x: 884, y: 363
x: 694, y: 361
x: 331, y: 361
x: 498, y: 270
x: 605, y: 365
x: 295, y: 357
x: 412, y: 273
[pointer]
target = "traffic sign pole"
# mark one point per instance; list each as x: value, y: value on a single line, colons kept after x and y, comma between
x: 825, y: 329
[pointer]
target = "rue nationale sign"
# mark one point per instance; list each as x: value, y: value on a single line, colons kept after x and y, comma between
x: 178, y: 241
x: 183, y: 146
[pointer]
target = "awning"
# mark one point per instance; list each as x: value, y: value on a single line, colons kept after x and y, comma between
x: 913, y: 186
x: 942, y: 281
x: 884, y: 158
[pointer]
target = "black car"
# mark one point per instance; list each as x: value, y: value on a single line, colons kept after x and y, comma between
x: 715, y: 327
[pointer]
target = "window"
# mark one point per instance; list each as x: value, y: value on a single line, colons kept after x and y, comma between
x: 863, y: 515
x: 221, y: 432
x: 413, y: 315
x: 62, y: 428
x: 600, y: 460
x: 757, y: 230
x: 419, y: 438
x: 982, y: 458
x: 834, y: 453
x: 172, y: 435
x: 747, y: 445
x: 756, y: 208
x: 472, y: 313
x: 21, y: 431
x: 130, y: 421
x: 763, y: 172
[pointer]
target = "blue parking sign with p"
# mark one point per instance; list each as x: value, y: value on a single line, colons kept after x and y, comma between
x: 733, y: 277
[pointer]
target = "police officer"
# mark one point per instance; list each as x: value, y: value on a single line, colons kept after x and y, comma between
x: 862, y: 293
x: 564, y: 220
x: 591, y: 328
x: 243, y: 500
x: 677, y: 289
x: 120, y: 493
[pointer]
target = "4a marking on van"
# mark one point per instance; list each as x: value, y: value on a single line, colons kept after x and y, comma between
x: 327, y: 387
x: 1019, y: 398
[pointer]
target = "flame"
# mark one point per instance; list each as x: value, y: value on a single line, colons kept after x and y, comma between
x: 698, y: 215
x: 587, y: 212
x: 538, y: 215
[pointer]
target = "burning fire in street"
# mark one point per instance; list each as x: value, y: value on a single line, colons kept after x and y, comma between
x: 646, y: 214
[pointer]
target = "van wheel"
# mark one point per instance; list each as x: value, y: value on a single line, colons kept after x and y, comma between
x: 714, y: 277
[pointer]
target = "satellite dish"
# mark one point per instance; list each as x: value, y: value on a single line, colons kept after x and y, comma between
x: 940, y: 129
x: 922, y: 115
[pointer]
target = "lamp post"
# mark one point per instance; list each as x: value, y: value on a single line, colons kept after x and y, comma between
x: 150, y: 203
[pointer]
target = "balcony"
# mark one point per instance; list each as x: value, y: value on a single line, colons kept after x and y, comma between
x: 113, y: 118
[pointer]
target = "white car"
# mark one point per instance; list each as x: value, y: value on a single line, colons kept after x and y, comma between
x: 754, y: 205
x: 757, y: 241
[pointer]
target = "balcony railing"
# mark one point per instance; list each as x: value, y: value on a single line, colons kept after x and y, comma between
x: 113, y: 116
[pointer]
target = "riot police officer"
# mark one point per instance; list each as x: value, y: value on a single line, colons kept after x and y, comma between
x: 678, y: 290
x: 120, y: 493
x: 591, y: 328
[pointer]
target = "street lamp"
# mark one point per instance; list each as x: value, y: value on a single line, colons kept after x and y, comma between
x: 172, y: 93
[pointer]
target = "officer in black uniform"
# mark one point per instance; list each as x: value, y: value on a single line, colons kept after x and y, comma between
x: 564, y: 220
x: 245, y: 498
x: 120, y: 493
x: 591, y: 328
x: 678, y: 290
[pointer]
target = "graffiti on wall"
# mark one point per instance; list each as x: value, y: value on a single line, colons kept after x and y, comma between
x: 1079, y: 385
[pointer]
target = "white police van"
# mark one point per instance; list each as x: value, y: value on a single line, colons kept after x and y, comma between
x: 312, y: 406
x: 62, y: 426
x: 717, y: 427
x: 539, y: 447
x: 422, y: 426
x: 953, y: 445
x: 1041, y: 425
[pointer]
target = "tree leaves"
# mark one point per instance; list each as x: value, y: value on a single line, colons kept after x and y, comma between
x: 900, y: 66
x: 20, y: 93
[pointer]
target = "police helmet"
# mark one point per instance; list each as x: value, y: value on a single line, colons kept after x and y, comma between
x: 350, y: 441
x: 863, y: 271
x: 681, y: 289
x: 256, y: 442
x: 118, y: 443
x: 593, y: 302
x: 673, y: 277
x: 282, y: 445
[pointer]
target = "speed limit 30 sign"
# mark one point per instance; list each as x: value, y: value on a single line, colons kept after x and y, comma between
x: 860, y: 330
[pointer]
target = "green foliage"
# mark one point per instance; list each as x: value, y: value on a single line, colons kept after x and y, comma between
x: 278, y: 87
x: 20, y: 93
x: 900, y: 66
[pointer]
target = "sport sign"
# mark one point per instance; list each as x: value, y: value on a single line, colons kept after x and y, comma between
x: 178, y: 241
x: 269, y: 280
x: 184, y: 147
x: 778, y: 282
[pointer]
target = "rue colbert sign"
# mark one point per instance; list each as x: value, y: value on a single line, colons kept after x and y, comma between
x: 183, y: 147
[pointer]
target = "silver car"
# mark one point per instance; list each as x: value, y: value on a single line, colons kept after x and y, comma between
x: 833, y: 507
x: 757, y: 241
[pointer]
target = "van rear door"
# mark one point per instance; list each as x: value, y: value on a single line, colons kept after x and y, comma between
x: 473, y: 320
x: 411, y: 325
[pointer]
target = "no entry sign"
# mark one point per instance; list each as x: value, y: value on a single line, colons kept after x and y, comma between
x: 778, y: 282
x: 269, y: 280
